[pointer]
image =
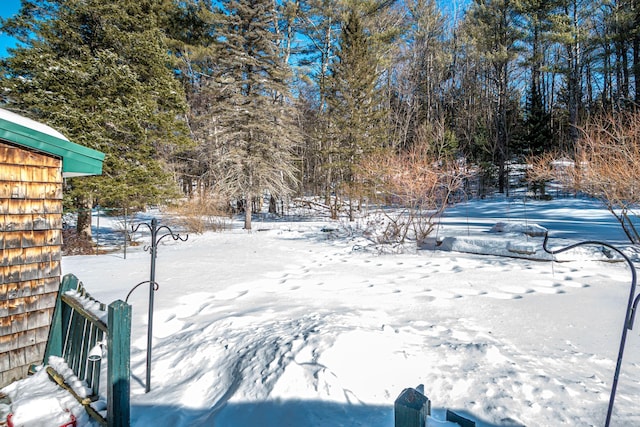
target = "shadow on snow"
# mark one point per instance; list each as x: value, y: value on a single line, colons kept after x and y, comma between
x: 285, y: 413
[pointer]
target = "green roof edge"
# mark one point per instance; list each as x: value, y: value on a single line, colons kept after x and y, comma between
x: 77, y: 159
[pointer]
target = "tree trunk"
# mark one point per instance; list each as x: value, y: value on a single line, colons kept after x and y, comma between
x: 273, y: 206
x: 636, y: 55
x: 502, y: 127
x: 351, y: 210
x: 247, y: 213
x: 83, y: 224
x: 573, y: 77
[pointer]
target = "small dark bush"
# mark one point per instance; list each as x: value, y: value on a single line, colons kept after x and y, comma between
x: 73, y: 244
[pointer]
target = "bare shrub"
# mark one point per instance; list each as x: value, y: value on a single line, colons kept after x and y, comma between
x: 605, y: 166
x: 201, y: 214
x: 608, y: 157
x: 75, y: 244
x: 412, y: 188
x: 549, y: 167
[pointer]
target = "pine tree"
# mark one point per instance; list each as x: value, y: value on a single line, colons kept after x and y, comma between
x: 422, y: 79
x: 356, y: 110
x: 100, y: 73
x: 191, y: 29
x: 536, y: 17
x: 538, y: 137
x: 250, y: 104
x: 621, y: 19
x: 321, y: 27
x: 491, y: 24
x: 571, y: 32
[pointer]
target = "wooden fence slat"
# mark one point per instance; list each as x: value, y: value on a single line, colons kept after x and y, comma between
x: 58, y: 322
x: 118, y: 364
x: 73, y: 357
x: 84, y: 350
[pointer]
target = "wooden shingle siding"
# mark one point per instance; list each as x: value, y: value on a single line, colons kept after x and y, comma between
x: 30, y: 255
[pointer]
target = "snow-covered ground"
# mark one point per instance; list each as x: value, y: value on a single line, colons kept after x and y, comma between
x: 295, y: 326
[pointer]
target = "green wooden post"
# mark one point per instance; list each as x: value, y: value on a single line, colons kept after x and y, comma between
x: 59, y: 320
x: 459, y: 419
x: 119, y: 364
x: 411, y: 409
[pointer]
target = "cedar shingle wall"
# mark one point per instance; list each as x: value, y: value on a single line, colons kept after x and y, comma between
x: 30, y: 253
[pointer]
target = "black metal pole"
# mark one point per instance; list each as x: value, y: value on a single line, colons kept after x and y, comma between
x: 629, y: 317
x: 126, y: 233
x: 152, y: 280
x: 98, y: 230
x: 153, y: 286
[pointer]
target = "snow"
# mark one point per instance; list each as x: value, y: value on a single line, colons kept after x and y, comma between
x: 90, y: 305
x: 296, y: 326
x: 31, y: 124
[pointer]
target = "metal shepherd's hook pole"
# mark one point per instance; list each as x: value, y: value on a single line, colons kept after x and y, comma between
x: 629, y: 319
x: 156, y: 237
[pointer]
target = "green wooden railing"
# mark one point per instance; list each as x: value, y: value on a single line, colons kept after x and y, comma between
x: 77, y: 335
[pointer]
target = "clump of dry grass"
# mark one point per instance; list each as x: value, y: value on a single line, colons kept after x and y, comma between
x: 201, y: 214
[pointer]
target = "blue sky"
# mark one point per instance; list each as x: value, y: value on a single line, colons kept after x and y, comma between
x: 7, y: 8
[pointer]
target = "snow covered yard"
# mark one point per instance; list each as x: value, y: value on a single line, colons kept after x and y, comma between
x: 293, y: 326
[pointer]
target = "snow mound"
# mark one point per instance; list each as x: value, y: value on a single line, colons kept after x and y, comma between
x: 516, y: 240
x: 533, y: 230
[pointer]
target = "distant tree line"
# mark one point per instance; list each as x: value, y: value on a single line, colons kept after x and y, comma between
x: 242, y: 98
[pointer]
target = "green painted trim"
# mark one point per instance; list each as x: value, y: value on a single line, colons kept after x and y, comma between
x: 77, y: 160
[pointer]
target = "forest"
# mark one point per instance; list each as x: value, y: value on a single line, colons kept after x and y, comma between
x: 336, y: 102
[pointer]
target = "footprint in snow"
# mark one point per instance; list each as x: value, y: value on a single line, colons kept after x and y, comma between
x: 576, y: 285
x: 502, y: 295
x: 443, y: 294
x: 227, y: 295
x: 467, y: 292
x: 517, y: 290
x: 546, y: 283
x: 548, y: 290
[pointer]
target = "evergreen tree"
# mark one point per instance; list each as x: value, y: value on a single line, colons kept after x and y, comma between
x: 537, y: 131
x: 191, y: 28
x: 622, y: 35
x: 100, y: 73
x: 355, y: 103
x: 323, y: 20
x: 321, y: 29
x: 536, y: 17
x: 571, y: 32
x: 421, y: 88
x: 250, y: 104
x: 492, y: 26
